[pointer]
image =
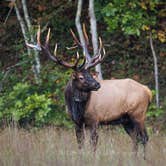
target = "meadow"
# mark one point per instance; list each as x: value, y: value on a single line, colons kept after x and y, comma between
x: 58, y: 147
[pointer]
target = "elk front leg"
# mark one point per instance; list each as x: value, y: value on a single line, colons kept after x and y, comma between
x: 93, y: 136
x: 80, y: 135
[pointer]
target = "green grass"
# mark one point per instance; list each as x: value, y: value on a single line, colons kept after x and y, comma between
x: 58, y: 147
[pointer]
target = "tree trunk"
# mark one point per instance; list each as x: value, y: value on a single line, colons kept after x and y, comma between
x: 26, y: 29
x: 155, y: 71
x: 36, y: 65
x: 79, y: 29
x: 94, y: 34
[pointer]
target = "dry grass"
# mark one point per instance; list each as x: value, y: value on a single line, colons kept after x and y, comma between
x: 53, y: 147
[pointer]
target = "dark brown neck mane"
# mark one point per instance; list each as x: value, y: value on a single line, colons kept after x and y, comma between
x: 76, y: 101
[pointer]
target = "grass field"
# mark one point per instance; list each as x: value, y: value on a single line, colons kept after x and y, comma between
x: 58, y: 147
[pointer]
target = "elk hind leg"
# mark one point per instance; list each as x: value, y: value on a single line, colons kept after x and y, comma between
x: 141, y: 134
x: 143, y: 138
x: 130, y: 129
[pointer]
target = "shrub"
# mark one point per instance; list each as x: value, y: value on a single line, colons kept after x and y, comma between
x: 30, y: 105
x: 153, y: 111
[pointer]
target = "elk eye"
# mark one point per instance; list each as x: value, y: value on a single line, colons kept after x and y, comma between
x: 81, y: 78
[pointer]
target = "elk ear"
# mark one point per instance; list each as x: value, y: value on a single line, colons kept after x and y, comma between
x: 95, y: 74
x: 74, y: 76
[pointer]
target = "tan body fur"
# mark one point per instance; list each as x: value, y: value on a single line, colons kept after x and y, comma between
x: 116, y: 98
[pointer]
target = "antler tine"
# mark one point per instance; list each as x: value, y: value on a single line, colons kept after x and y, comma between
x: 99, y: 57
x: 88, y: 58
x: 85, y: 34
x: 71, y: 48
x: 78, y: 55
x: 83, y: 63
x: 75, y: 38
x: 101, y: 47
x: 90, y: 65
x: 38, y: 45
x: 55, y: 49
x: 38, y: 36
x: 103, y: 53
x: 101, y: 44
x: 77, y: 59
x: 48, y: 37
x: 63, y: 63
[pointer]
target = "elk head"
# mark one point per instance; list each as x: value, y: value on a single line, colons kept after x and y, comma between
x: 84, y: 81
x: 81, y: 77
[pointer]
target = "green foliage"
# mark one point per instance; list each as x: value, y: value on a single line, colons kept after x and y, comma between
x: 34, y: 108
x: 153, y: 111
x: 28, y: 104
x: 129, y: 16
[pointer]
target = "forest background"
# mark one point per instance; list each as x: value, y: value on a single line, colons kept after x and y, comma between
x: 31, y: 86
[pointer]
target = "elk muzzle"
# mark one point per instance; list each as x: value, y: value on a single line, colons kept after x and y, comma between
x: 95, y: 86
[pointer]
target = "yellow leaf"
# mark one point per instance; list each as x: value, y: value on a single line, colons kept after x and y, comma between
x: 57, y: 81
x: 145, y: 28
x: 143, y: 5
x: 161, y: 36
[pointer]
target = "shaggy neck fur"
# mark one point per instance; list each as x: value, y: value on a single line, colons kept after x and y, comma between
x: 76, y: 101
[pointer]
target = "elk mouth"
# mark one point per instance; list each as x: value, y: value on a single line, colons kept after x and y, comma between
x: 93, y: 88
x: 97, y: 87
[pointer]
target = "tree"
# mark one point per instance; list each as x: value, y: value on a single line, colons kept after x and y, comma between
x: 26, y: 29
x: 133, y: 17
x: 93, y: 28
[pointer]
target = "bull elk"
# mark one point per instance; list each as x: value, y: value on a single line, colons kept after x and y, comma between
x: 117, y: 101
x: 92, y: 102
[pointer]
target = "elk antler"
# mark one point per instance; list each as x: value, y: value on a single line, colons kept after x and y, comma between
x: 45, y: 49
x: 94, y: 60
x: 98, y: 58
x: 77, y: 42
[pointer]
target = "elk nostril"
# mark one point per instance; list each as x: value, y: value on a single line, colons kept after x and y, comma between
x: 97, y: 85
